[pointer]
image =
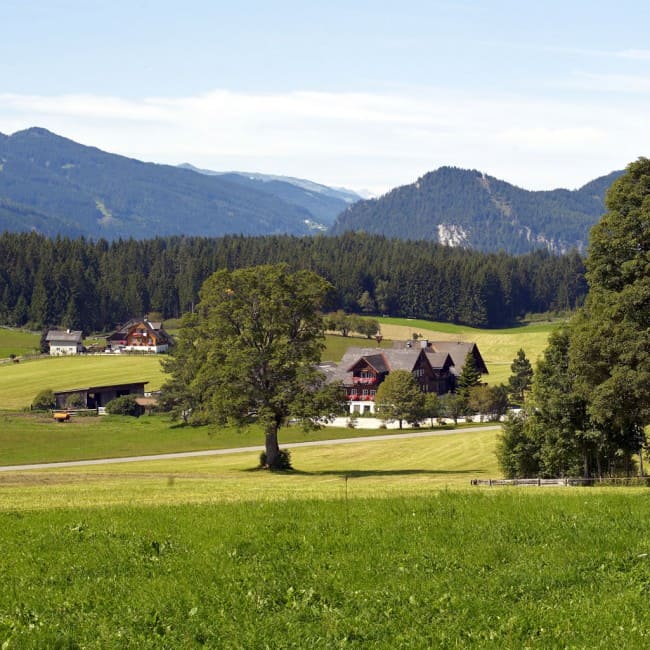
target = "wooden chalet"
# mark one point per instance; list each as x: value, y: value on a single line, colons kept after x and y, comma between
x: 139, y: 335
x: 435, y: 366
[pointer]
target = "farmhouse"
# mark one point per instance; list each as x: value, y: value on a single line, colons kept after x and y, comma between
x: 139, y: 335
x: 434, y: 365
x: 95, y: 397
x: 63, y: 342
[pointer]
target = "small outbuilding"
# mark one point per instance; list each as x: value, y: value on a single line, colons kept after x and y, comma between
x: 95, y: 397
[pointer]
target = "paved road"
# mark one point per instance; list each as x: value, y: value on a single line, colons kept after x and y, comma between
x: 238, y: 450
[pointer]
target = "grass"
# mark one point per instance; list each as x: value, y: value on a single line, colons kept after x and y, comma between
x: 367, y: 545
x: 393, y: 466
x: 33, y: 438
x: 18, y: 342
x: 336, y: 345
x: 449, y: 569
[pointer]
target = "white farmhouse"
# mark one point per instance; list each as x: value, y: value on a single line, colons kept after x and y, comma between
x: 64, y: 342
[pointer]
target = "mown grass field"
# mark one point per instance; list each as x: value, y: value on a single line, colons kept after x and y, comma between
x: 408, y: 465
x: 37, y: 438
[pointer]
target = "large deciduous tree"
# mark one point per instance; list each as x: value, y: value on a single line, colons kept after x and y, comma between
x: 610, y: 350
x: 251, y: 351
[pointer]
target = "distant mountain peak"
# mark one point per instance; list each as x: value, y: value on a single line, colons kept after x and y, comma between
x: 469, y: 208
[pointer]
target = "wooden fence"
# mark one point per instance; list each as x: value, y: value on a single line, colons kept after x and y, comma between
x: 643, y: 481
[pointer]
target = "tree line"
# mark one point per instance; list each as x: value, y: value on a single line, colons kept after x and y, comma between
x: 96, y: 285
x: 589, y: 404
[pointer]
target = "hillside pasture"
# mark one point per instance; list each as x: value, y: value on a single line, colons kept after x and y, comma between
x: 18, y: 342
x: 19, y: 383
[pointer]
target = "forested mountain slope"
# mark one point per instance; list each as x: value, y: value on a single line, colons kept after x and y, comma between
x: 56, y: 186
x: 469, y: 209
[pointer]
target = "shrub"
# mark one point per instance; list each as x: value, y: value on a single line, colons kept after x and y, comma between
x: 284, y: 462
x: 44, y: 400
x: 75, y: 401
x: 125, y: 405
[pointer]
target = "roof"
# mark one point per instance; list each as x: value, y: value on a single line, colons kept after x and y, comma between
x: 67, y: 336
x: 458, y: 352
x: 91, y: 389
x: 384, y: 361
x: 377, y: 361
x: 439, y: 360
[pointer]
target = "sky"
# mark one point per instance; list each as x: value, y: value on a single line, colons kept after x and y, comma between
x: 355, y: 94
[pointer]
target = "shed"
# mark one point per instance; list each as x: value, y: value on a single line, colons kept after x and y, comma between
x: 92, y: 397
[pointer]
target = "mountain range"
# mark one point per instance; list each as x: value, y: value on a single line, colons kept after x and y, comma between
x: 54, y: 185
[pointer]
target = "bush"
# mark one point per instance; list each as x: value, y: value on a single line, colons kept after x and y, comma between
x: 125, y: 405
x: 284, y: 462
x: 44, y: 400
x: 75, y: 401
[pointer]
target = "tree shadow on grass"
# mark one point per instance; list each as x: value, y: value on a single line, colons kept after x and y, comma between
x: 364, y: 473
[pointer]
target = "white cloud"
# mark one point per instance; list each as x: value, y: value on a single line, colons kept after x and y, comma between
x: 632, y: 84
x: 639, y: 55
x: 358, y: 140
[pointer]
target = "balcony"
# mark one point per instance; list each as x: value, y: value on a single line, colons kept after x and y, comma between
x: 364, y: 381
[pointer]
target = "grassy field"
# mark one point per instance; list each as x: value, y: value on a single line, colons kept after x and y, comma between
x: 450, y: 569
x: 388, y: 467
x: 18, y: 342
x: 370, y: 544
x: 37, y: 438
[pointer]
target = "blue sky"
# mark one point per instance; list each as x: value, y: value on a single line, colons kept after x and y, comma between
x: 366, y: 95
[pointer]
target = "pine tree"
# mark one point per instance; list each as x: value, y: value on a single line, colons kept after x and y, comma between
x: 521, y: 379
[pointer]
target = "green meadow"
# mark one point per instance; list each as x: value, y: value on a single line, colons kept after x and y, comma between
x: 443, y: 569
x: 17, y: 342
x: 367, y: 544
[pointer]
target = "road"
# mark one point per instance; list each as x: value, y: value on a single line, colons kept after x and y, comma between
x: 239, y: 450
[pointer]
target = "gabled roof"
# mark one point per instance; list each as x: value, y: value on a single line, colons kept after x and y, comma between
x: 65, y: 336
x: 385, y: 360
x: 439, y: 360
x: 458, y: 352
x: 375, y: 361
